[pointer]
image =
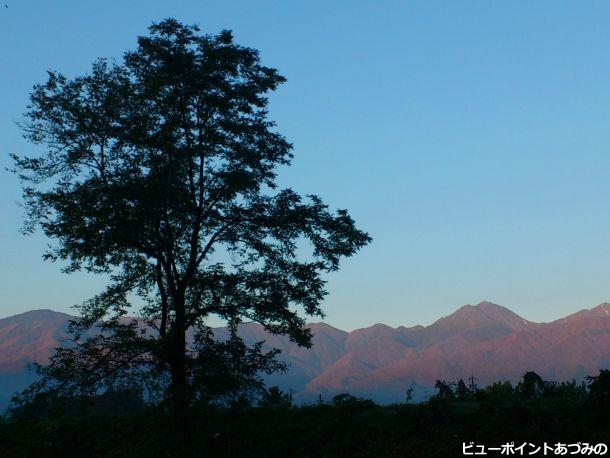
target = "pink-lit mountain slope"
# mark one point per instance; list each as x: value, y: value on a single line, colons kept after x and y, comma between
x: 487, y: 341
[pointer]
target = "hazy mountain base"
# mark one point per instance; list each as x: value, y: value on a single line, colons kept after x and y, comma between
x: 11, y: 383
x: 355, y: 429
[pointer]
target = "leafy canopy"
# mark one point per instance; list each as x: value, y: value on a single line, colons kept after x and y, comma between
x: 160, y: 172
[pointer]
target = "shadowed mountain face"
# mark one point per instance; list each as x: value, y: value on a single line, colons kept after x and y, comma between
x: 487, y: 341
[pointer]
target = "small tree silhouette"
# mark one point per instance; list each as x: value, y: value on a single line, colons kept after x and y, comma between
x: 532, y: 385
x: 461, y: 391
x: 409, y: 393
x: 444, y: 390
x: 274, y: 397
x: 599, y: 388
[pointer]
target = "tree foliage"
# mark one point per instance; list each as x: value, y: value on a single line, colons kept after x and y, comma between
x: 599, y: 388
x: 159, y: 171
x: 532, y: 385
x: 274, y: 397
x: 444, y: 390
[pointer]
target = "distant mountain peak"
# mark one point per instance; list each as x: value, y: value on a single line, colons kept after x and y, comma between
x: 34, y: 315
x: 602, y: 309
x: 492, y: 311
x: 39, y: 312
x: 486, y: 305
x: 382, y: 326
x: 479, y: 322
x: 482, y: 306
x: 466, y: 308
x: 321, y: 325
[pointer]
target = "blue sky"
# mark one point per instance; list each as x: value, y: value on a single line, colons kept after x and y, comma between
x: 470, y: 139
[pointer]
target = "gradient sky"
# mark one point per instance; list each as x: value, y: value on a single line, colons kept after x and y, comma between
x: 470, y: 139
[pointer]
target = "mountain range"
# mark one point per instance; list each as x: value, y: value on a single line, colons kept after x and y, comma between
x: 486, y: 341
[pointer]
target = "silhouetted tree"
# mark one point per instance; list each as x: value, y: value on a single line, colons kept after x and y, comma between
x: 532, y: 385
x: 346, y: 399
x: 409, y: 393
x: 274, y: 397
x: 461, y: 391
x: 160, y: 172
x: 599, y: 388
x: 444, y: 390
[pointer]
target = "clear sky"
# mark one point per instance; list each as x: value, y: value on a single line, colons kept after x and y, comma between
x: 470, y: 139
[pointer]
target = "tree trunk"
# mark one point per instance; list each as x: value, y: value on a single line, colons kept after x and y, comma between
x: 179, y: 385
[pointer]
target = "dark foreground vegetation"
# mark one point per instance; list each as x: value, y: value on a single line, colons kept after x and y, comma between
x: 533, y: 411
